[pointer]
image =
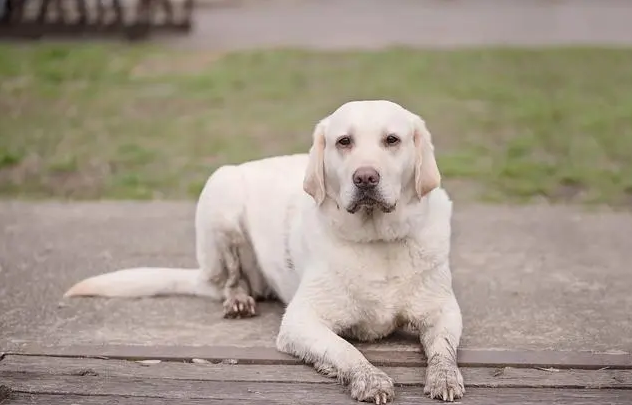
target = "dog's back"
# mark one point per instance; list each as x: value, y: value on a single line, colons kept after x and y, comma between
x: 239, y: 205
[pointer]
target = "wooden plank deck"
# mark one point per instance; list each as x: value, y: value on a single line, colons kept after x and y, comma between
x: 269, y: 355
x: 261, y: 375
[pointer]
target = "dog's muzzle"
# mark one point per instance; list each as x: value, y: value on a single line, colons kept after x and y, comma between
x: 367, y: 195
x: 369, y: 200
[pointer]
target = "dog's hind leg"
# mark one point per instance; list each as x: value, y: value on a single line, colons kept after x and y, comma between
x: 238, y: 301
x: 218, y: 253
x: 228, y: 264
x: 223, y: 251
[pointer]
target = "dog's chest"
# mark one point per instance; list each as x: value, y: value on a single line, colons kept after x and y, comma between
x: 379, y: 282
x: 380, y: 277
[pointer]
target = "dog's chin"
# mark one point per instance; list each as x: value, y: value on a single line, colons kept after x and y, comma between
x: 370, y: 205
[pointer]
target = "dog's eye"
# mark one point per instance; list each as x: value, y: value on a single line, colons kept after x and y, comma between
x: 344, y: 141
x: 392, y: 140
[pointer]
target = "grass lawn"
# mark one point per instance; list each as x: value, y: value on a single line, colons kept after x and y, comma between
x: 110, y: 121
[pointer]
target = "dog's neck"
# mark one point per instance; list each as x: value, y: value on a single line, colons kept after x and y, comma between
x: 373, y: 225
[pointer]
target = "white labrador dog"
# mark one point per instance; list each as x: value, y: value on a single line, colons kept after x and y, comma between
x: 354, y: 238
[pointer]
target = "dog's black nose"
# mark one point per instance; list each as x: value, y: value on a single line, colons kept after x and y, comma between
x: 366, y: 177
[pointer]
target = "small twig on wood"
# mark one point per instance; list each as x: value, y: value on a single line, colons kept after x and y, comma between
x: 550, y: 369
x: 148, y: 362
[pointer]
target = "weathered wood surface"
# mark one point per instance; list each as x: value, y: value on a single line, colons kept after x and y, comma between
x: 269, y: 355
x: 507, y: 377
x: 334, y: 395
x: 67, y: 380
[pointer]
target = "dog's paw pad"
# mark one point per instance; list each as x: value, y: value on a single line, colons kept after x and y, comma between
x: 372, y: 385
x: 239, y: 306
x: 444, y: 382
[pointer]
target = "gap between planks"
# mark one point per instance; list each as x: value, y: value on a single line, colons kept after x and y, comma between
x: 268, y: 355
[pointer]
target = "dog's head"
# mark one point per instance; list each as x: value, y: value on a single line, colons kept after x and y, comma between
x: 369, y: 155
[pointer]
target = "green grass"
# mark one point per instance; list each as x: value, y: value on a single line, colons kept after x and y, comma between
x: 108, y: 121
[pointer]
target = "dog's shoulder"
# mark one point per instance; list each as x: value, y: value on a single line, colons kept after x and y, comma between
x: 434, y: 215
x: 429, y: 241
x: 440, y: 203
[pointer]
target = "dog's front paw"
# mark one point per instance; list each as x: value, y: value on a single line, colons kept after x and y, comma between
x: 239, y: 306
x: 371, y: 384
x: 443, y: 380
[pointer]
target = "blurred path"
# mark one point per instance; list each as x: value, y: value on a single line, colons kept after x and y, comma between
x: 335, y: 24
x: 527, y: 278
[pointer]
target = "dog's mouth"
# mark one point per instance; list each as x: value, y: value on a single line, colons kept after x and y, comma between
x: 369, y: 201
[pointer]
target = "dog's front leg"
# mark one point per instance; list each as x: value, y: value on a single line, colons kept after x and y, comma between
x: 308, y: 336
x: 440, y: 335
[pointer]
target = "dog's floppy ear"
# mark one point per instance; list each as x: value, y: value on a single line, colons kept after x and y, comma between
x: 314, y: 181
x: 427, y: 176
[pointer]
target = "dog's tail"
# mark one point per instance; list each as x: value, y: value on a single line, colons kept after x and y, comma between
x: 145, y: 282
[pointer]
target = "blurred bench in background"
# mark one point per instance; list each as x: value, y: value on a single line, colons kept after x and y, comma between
x: 134, y: 19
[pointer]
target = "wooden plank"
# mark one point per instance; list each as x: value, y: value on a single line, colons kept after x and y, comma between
x: 269, y: 355
x: 291, y: 394
x: 47, y: 399
x: 250, y: 355
x: 474, y: 377
x: 512, y: 358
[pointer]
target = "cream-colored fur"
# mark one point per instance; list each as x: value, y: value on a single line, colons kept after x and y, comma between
x: 346, y: 261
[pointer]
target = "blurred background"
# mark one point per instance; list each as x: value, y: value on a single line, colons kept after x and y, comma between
x: 527, y: 100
